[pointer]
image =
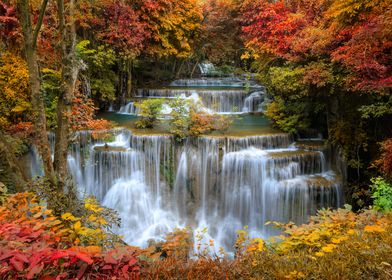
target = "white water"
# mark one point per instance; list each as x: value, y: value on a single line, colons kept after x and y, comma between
x: 129, y: 109
x: 206, y: 68
x: 230, y: 82
x: 213, y: 100
x: 222, y: 184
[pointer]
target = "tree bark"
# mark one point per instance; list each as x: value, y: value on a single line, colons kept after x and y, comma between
x: 129, y: 78
x: 30, y: 36
x: 18, y: 176
x: 69, y: 76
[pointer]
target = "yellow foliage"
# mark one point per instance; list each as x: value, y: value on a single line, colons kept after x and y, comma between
x: 332, y: 244
x: 256, y: 244
x: 14, y: 88
x: 295, y: 275
x: 92, y: 205
x: 68, y: 217
x: 329, y: 248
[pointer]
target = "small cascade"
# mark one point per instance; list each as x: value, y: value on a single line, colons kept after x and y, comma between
x: 129, y: 109
x: 253, y: 102
x: 206, y: 68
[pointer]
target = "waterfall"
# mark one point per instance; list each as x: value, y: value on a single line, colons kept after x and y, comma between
x: 230, y: 82
x: 206, y: 68
x: 253, y: 102
x: 220, y: 101
x: 222, y: 183
x: 129, y: 109
x: 111, y: 107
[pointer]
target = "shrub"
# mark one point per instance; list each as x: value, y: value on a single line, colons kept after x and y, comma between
x: 35, y: 244
x: 82, y: 116
x: 200, y: 123
x: 382, y: 194
x: 339, y: 244
x: 149, y: 112
x: 333, y: 245
x: 180, y: 118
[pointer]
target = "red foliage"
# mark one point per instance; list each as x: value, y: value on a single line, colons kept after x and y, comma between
x: 33, y: 245
x: 270, y: 27
x: 220, y: 38
x: 123, y: 29
x: 356, y: 35
x: 9, y: 24
x: 368, y: 52
x: 115, y: 23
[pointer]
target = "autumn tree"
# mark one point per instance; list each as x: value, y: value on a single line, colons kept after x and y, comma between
x: 30, y: 37
x: 69, y: 75
x: 220, y: 41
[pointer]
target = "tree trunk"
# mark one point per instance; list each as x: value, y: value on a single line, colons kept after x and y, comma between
x: 129, y: 78
x: 30, y: 36
x: 19, y: 178
x: 180, y: 69
x: 194, y: 68
x: 69, y: 76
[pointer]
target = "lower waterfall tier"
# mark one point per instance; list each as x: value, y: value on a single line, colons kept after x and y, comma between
x: 221, y: 183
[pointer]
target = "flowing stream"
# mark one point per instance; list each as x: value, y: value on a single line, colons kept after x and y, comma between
x: 221, y: 182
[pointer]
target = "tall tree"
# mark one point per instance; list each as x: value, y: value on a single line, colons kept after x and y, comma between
x: 69, y: 75
x: 30, y: 37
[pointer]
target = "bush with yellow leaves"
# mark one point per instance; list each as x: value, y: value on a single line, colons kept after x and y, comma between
x: 337, y: 244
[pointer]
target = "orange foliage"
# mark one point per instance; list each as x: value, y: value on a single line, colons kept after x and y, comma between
x: 385, y: 161
x: 200, y: 123
x: 82, y: 116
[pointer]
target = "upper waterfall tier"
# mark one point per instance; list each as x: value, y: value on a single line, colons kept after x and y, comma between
x: 223, y: 95
x: 216, y: 82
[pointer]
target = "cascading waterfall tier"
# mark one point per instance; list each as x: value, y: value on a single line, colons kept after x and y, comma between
x: 219, y: 95
x: 221, y: 183
x: 216, y: 82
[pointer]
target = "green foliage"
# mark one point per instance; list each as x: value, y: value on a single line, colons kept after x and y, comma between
x: 186, y: 120
x: 149, y: 112
x: 51, y: 85
x: 286, y: 80
x: 351, y: 134
x: 382, y: 194
x: 180, y: 119
x: 289, y: 117
x: 377, y: 109
x: 3, y: 193
x: 99, y: 61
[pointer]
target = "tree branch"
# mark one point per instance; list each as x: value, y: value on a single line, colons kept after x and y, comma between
x: 39, y: 22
